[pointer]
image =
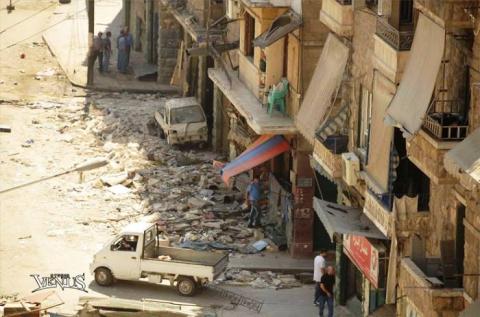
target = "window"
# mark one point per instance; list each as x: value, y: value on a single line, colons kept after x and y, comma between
x: 249, y: 34
x: 125, y: 243
x: 364, y: 115
x: 406, y: 11
x: 190, y: 114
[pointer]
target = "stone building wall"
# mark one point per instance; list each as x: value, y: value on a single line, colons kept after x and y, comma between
x: 442, y: 218
x: 314, y: 34
x: 452, y: 77
x: 169, y: 38
x: 474, y: 116
x: 472, y: 243
x: 361, y: 65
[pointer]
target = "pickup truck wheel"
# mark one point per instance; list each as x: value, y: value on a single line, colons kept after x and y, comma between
x: 186, y: 286
x: 103, y: 276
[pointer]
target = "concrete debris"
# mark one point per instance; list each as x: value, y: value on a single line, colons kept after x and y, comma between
x: 114, y: 179
x: 264, y: 279
x: 119, y: 190
x: 177, y: 188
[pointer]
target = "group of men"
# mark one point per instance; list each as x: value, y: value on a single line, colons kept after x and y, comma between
x: 102, y: 50
x: 324, y: 278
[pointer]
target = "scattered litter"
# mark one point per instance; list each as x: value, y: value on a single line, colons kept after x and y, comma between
x: 263, y: 279
x: 28, y: 143
x: 46, y: 73
x: 25, y: 237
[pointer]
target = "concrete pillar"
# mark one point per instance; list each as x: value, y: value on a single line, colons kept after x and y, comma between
x: 217, y: 129
x: 303, y: 192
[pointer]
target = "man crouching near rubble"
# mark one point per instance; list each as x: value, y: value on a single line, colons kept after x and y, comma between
x: 253, y: 195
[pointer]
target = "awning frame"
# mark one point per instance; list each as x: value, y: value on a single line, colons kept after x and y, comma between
x: 342, y: 219
x: 280, y: 27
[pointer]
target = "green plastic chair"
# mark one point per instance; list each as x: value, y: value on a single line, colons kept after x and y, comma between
x: 276, y: 97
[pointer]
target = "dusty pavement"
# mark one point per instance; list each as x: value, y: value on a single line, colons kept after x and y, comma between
x: 56, y: 226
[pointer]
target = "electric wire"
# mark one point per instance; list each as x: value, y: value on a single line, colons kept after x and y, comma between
x: 27, y: 18
x: 41, y: 31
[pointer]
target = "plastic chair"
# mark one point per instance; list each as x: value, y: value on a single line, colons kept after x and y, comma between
x: 276, y: 96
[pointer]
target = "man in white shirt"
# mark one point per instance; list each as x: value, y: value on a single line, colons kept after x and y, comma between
x: 319, y: 265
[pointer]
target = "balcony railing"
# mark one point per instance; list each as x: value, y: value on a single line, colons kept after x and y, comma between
x: 328, y: 154
x: 446, y: 121
x: 399, y: 40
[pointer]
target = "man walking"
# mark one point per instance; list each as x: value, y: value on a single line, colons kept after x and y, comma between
x: 98, y: 50
x: 327, y: 283
x: 107, y: 51
x: 254, y: 193
x: 318, y: 270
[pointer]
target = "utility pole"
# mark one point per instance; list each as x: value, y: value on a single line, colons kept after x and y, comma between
x: 10, y: 7
x: 91, y: 26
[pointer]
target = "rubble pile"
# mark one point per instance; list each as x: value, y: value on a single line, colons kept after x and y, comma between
x: 146, y: 179
x: 264, y: 279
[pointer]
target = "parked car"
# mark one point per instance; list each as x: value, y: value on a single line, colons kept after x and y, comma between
x: 136, y: 253
x: 182, y: 121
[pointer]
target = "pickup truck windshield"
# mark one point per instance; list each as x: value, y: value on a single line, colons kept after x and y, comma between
x: 190, y: 114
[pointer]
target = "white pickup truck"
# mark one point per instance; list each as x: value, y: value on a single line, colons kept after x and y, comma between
x: 135, y: 254
x: 182, y: 121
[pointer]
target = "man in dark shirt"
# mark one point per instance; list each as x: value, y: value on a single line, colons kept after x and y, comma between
x: 327, y: 283
x: 254, y: 194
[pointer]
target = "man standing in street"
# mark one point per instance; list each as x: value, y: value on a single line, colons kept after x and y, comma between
x: 121, y: 53
x: 327, y: 283
x: 128, y: 43
x: 319, y: 265
x: 254, y: 194
x: 107, y: 51
x: 98, y: 50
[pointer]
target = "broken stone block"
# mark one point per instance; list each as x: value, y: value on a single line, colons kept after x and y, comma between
x: 114, y: 179
x: 119, y: 190
x: 194, y: 202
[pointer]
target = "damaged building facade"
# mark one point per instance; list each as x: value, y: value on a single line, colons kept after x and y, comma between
x: 397, y: 135
x: 362, y: 119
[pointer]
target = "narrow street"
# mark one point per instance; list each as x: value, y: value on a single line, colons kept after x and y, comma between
x: 56, y: 226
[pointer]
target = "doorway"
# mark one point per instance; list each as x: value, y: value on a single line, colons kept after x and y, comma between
x: 460, y: 242
x: 325, y: 190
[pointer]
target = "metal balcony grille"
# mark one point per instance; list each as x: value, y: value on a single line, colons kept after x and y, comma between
x: 399, y: 40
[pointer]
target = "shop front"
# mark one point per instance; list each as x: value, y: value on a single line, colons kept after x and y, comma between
x: 361, y: 257
x: 368, y: 256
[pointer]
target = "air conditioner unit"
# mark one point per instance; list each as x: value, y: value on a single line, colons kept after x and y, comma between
x: 350, y: 168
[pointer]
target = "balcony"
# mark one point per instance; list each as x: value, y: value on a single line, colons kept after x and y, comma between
x: 378, y: 213
x: 328, y: 154
x: 425, y: 291
x: 427, y: 152
x: 452, y: 14
x: 337, y: 15
x: 446, y: 123
x: 391, y: 49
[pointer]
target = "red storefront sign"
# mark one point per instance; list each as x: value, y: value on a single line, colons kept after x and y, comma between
x: 364, y: 255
